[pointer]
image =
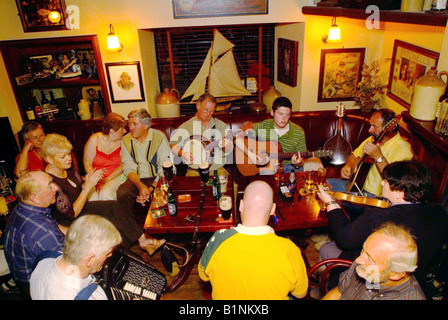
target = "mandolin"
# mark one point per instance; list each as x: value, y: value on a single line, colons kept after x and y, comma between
x: 202, y: 149
x: 340, y: 146
x: 271, y: 151
x: 390, y: 126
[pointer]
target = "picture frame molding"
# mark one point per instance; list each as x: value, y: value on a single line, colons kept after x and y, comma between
x: 27, y: 27
x: 322, y: 73
x: 135, y: 95
x: 212, y: 8
x: 288, y: 77
x: 425, y: 54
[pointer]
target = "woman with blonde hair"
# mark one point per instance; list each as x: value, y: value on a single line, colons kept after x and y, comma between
x: 102, y: 152
x: 72, y: 198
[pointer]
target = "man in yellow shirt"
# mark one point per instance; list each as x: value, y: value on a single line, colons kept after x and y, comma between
x: 250, y: 261
x: 391, y: 148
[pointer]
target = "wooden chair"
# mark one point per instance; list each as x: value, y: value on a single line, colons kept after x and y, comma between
x: 320, y: 280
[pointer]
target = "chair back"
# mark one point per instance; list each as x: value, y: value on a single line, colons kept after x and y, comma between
x: 321, y: 279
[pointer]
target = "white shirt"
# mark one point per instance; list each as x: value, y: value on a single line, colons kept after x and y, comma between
x: 47, y: 282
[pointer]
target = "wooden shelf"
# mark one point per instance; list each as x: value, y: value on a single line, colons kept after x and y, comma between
x: 61, y: 83
x: 16, y: 55
x: 422, y: 18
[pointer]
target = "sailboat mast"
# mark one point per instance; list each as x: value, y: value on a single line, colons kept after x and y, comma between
x: 211, y: 62
x: 170, y: 52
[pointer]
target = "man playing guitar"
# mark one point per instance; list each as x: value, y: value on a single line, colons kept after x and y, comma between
x: 279, y: 129
x: 391, y: 148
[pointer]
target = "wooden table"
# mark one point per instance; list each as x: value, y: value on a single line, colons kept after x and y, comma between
x: 178, y: 224
x: 303, y: 213
x: 208, y: 222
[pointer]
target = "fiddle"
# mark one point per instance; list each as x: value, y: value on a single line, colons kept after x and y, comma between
x: 365, y: 201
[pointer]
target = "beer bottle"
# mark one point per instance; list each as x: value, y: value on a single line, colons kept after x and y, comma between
x: 30, y: 113
x: 292, y: 182
x: 216, y: 186
x: 101, y: 102
x: 45, y: 105
x: 53, y: 103
x: 37, y: 108
x: 172, y: 206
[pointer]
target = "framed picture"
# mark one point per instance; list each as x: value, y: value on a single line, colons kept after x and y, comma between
x: 26, y: 78
x: 339, y: 74
x: 42, y: 15
x: 213, y: 8
x: 409, y: 63
x: 287, y: 61
x: 125, y: 81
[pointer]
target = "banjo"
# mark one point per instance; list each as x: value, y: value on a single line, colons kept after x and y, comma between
x: 202, y: 149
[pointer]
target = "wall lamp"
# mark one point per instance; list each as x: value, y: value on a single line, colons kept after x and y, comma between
x: 113, y: 43
x: 334, y: 34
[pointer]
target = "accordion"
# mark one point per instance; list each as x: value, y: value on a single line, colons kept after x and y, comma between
x: 126, y: 276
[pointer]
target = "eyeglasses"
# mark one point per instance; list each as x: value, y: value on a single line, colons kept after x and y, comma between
x: 207, y: 111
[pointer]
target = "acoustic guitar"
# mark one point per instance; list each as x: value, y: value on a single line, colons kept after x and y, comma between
x: 202, y: 149
x: 353, y: 179
x: 271, y: 152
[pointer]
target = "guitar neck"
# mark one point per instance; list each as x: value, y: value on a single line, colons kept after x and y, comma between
x: 289, y: 155
x: 215, y: 143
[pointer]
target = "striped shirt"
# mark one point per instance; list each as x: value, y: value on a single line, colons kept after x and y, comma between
x: 352, y: 287
x: 292, y: 141
x: 30, y: 231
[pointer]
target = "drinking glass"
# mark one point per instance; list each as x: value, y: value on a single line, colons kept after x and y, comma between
x: 204, y: 172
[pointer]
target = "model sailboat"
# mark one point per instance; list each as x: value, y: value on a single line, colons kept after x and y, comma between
x: 218, y: 74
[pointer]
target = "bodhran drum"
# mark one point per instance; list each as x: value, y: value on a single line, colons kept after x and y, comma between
x: 196, y: 146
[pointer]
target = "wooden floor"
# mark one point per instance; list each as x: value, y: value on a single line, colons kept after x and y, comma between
x: 196, y: 289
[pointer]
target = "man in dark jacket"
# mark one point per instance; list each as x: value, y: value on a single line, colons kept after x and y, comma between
x: 408, y: 186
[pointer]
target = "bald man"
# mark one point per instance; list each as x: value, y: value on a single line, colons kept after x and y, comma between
x: 31, y: 228
x: 250, y: 261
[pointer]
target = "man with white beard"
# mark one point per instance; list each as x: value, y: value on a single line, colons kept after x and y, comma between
x: 384, y: 269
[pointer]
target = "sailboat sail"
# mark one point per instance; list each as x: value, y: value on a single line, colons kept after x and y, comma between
x: 218, y: 73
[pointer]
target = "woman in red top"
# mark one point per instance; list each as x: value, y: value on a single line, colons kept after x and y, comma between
x: 30, y: 159
x: 102, y: 152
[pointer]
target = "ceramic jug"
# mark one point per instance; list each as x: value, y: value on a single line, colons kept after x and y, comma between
x: 269, y: 96
x: 411, y: 5
x: 167, y: 103
x: 84, y: 109
x: 427, y: 91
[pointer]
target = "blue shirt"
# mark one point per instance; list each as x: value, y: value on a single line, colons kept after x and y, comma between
x: 30, y: 231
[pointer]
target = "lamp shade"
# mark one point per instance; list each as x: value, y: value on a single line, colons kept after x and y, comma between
x: 113, y: 43
x: 334, y: 35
